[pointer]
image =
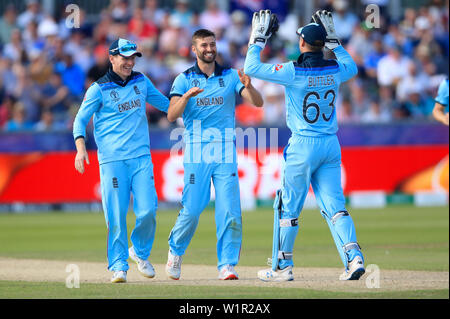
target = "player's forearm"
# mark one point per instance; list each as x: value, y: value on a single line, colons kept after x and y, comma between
x: 80, y: 144
x: 253, y: 96
x: 253, y: 61
x: 351, y: 69
x: 439, y: 115
x: 159, y: 101
x: 79, y: 126
x: 176, y: 107
x: 282, y: 74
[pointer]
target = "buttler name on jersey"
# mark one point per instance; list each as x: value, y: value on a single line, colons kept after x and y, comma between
x: 314, y: 81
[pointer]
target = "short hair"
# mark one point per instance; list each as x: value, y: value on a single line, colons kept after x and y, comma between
x: 202, y: 33
x: 318, y: 46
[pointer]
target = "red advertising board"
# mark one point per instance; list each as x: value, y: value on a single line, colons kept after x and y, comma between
x: 51, y: 177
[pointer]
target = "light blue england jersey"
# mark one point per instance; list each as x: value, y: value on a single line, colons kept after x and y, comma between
x: 119, y: 110
x: 311, y: 87
x: 209, y: 116
x: 442, y: 95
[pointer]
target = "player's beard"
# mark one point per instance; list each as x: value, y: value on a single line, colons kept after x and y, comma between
x: 205, y: 59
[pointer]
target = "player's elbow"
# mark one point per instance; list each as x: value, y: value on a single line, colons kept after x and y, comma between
x: 249, y: 68
x: 353, y: 68
x: 171, y: 117
x: 259, y: 103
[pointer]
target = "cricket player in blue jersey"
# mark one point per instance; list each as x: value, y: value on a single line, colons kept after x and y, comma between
x: 440, y: 111
x: 117, y: 101
x: 205, y: 97
x: 313, y: 154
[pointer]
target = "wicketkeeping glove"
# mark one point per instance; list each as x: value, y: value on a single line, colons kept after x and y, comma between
x: 264, y: 24
x: 324, y: 18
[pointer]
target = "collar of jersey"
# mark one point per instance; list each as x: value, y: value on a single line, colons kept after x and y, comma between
x: 217, y: 69
x: 117, y: 79
x: 310, y: 55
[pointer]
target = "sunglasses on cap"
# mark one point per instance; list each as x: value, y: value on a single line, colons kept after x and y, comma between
x: 125, y: 50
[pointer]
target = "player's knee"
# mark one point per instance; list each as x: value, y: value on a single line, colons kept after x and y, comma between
x: 289, y: 215
x: 336, y: 216
x: 235, y: 222
x: 190, y: 213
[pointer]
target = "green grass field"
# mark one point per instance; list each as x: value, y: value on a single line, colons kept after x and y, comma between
x: 396, y: 237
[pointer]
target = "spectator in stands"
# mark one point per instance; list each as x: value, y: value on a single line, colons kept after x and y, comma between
x: 392, y: 67
x: 72, y: 76
x: 274, y: 112
x: 100, y: 66
x: 174, y: 30
x: 388, y: 102
x: 182, y: 13
x: 344, y: 20
x: 238, y: 29
x: 15, y: 50
x: 359, y: 98
x: 47, y: 123
x: 7, y: 77
x: 371, y: 60
x: 395, y: 38
x: 32, y: 12
x: 39, y: 67
x: 120, y: 10
x: 56, y: 98
x: 360, y: 44
x: 6, y: 107
x: 213, y: 17
x: 142, y: 30
x: 27, y: 92
x: 416, y: 106
x: 31, y: 39
x: 376, y: 114
x: 413, y: 80
x: 407, y: 25
x: 345, y: 113
x: 152, y: 13
x: 7, y: 24
x: 77, y: 47
x: 38, y: 42
x: 17, y: 121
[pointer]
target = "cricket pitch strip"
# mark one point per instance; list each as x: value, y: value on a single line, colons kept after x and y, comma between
x: 206, y: 275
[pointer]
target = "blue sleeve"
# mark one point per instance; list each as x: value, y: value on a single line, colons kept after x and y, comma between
x: 91, y: 103
x: 442, y: 95
x: 156, y: 98
x: 179, y: 86
x: 347, y: 67
x: 277, y: 73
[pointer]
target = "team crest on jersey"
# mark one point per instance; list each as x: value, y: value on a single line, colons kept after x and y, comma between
x: 136, y: 90
x: 114, y: 95
x: 221, y: 82
x: 196, y: 83
x: 278, y: 67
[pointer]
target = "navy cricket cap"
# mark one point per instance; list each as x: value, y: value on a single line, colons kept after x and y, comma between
x: 124, y: 47
x: 313, y: 34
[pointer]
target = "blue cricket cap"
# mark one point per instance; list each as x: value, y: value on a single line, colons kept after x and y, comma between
x: 313, y: 34
x: 124, y: 47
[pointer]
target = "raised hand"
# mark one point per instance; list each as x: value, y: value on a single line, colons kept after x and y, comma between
x: 324, y: 18
x: 264, y: 25
x: 244, y: 78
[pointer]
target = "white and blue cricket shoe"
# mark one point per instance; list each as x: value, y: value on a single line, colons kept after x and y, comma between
x: 144, y: 266
x: 119, y: 276
x: 355, y: 270
x: 276, y: 275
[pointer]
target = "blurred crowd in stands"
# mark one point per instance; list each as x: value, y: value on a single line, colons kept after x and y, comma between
x: 45, y: 66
